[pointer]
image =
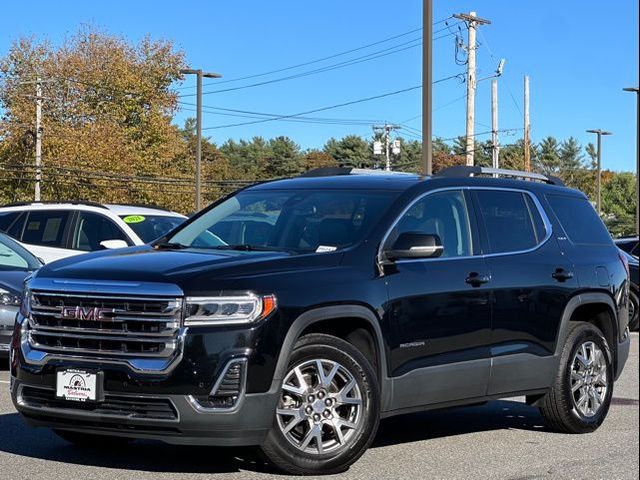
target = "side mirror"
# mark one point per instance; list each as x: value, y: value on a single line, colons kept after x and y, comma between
x: 111, y: 244
x: 415, y: 245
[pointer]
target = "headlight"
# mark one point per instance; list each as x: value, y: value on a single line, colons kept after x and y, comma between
x: 8, y: 299
x: 231, y: 310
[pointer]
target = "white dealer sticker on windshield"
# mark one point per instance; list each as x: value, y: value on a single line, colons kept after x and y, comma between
x: 76, y: 385
x: 325, y: 248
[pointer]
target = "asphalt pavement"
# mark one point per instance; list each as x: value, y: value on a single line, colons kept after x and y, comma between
x: 503, y: 439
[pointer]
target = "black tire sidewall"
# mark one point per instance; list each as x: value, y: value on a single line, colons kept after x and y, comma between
x: 580, y: 335
x: 634, y: 322
x: 288, y: 457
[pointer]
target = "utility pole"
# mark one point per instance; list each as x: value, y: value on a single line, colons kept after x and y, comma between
x: 599, y: 134
x: 199, y: 74
x: 635, y: 89
x: 385, y: 130
x: 527, y: 127
x: 427, y: 86
x: 472, y: 22
x: 36, y: 195
x: 494, y: 125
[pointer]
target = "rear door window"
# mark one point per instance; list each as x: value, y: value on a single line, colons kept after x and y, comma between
x: 7, y: 219
x: 579, y: 220
x: 511, y: 220
x: 93, y: 228
x: 46, y: 228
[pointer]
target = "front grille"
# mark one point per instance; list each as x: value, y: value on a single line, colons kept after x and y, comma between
x: 135, y: 408
x: 139, y: 327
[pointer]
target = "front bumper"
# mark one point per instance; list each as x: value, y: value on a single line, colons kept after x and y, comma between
x: 246, y: 425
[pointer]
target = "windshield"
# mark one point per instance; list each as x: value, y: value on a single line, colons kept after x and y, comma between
x: 150, y: 227
x: 291, y: 220
x: 14, y: 256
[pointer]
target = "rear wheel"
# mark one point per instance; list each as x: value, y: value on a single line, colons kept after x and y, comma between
x: 328, y: 410
x: 581, y: 394
x: 88, y: 440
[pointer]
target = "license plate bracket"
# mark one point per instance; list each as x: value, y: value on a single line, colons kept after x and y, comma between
x: 79, y: 385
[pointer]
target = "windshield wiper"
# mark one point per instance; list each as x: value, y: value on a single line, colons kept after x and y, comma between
x: 170, y: 246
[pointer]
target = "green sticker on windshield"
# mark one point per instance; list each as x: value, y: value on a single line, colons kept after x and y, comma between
x: 133, y: 219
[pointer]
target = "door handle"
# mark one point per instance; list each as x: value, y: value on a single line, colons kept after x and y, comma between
x: 562, y: 275
x: 475, y: 279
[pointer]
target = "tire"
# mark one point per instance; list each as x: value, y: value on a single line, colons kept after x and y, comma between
x: 307, y: 438
x: 88, y: 440
x: 561, y: 407
x: 634, y: 313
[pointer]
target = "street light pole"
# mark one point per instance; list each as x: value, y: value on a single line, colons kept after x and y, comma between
x: 199, y: 74
x: 599, y: 134
x: 427, y: 63
x: 635, y: 89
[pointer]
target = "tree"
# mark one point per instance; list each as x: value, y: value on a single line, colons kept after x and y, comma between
x: 617, y: 205
x: 284, y: 159
x: 107, y: 108
x: 317, y: 159
x: 547, y: 159
x: 350, y: 151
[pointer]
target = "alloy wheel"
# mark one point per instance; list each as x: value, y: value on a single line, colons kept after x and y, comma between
x: 589, y: 379
x: 320, y: 407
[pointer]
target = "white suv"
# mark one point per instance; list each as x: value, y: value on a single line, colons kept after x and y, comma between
x: 52, y: 231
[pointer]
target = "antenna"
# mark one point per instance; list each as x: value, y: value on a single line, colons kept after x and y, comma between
x: 500, y: 68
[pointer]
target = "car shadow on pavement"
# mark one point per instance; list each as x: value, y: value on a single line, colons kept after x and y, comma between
x: 17, y: 438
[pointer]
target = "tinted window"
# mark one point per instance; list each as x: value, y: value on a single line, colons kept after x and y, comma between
x: 14, y: 257
x: 7, y: 219
x: 579, y: 220
x: 292, y: 220
x: 46, y: 228
x: 443, y: 214
x: 93, y: 228
x: 14, y: 227
x: 508, y: 219
x: 150, y: 227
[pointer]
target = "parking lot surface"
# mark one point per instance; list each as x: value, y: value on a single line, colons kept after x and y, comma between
x: 503, y: 439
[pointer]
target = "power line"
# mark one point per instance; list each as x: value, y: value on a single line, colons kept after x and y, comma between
x: 352, y: 102
x: 319, y: 60
x: 416, y: 42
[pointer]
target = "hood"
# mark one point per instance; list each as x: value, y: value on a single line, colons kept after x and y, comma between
x: 147, y: 264
x: 11, y: 280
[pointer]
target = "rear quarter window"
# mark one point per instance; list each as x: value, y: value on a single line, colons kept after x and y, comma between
x: 579, y: 220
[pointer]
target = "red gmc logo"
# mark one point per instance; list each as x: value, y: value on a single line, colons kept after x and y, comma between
x: 86, y: 313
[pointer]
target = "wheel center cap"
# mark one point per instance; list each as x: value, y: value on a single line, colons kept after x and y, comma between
x: 318, y: 406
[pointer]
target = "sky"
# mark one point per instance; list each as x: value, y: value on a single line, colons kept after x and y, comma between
x: 579, y: 54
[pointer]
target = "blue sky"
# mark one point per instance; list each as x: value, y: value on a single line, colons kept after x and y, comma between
x: 578, y: 54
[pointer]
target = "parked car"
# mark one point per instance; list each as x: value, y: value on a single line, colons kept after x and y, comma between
x: 634, y: 293
x: 52, y: 231
x: 364, y: 295
x: 629, y: 245
x: 15, y: 264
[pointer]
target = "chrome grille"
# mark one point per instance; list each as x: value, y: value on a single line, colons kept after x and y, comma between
x: 138, y: 327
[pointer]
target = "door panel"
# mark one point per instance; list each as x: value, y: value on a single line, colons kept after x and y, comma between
x: 528, y: 299
x: 437, y: 318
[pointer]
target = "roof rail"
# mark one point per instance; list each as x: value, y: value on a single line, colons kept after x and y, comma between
x: 55, y: 202
x: 335, y: 171
x: 461, y: 171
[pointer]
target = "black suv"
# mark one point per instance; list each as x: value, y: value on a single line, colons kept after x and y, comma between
x: 294, y: 314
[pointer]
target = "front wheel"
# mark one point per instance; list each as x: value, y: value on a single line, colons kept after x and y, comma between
x: 328, y: 410
x: 581, y: 394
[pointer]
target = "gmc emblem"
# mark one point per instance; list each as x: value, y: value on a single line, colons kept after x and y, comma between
x: 86, y: 313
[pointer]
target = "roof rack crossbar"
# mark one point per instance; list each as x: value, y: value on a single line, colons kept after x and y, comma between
x: 472, y: 171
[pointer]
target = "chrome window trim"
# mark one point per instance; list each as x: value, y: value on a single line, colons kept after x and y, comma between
x: 243, y: 380
x: 545, y: 219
